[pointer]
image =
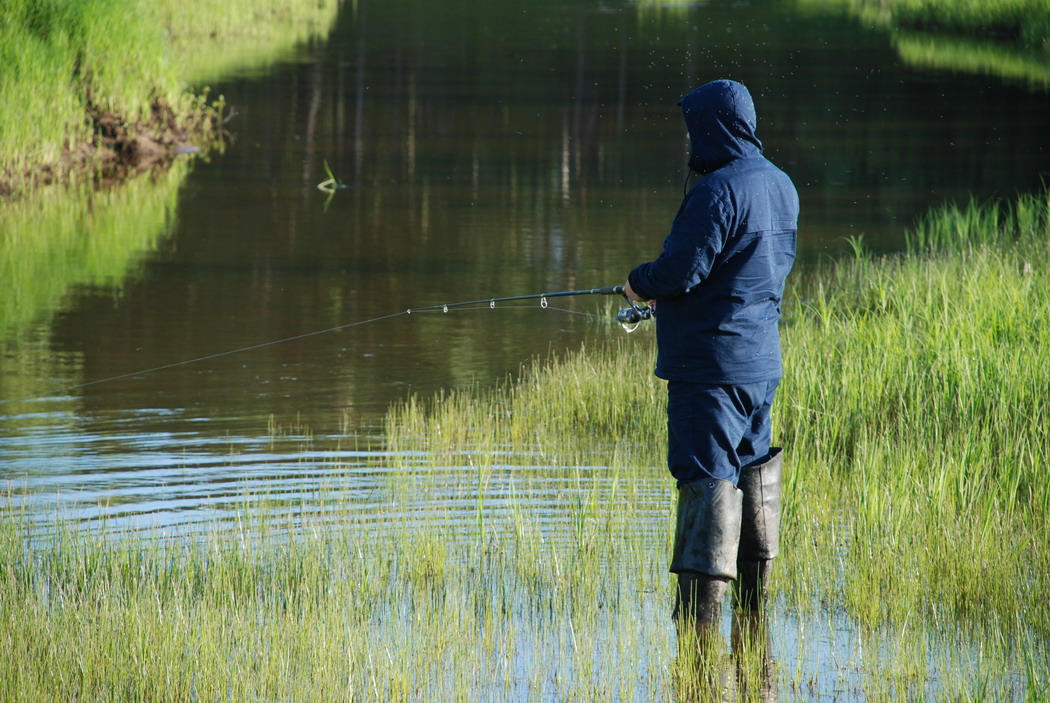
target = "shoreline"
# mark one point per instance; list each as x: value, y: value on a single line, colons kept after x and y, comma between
x: 102, y: 92
x: 121, y: 148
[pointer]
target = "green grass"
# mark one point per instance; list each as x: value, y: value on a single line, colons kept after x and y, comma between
x: 916, y: 388
x: 62, y: 58
x: 516, y: 544
x: 70, y: 54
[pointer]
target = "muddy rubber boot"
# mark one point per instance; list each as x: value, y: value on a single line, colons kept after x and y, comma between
x: 759, y: 530
x: 699, y: 597
x: 705, y: 549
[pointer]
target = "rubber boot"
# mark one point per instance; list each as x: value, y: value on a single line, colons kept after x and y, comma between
x: 705, y: 549
x: 759, y: 530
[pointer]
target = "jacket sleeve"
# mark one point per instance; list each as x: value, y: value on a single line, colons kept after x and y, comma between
x: 697, y: 235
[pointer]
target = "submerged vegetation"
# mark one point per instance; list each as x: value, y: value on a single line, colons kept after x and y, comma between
x: 515, y: 546
x: 97, y: 84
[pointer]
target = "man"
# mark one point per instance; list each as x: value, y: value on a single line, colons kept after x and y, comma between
x: 717, y: 288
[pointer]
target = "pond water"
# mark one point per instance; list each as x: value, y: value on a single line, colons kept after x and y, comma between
x: 482, y: 150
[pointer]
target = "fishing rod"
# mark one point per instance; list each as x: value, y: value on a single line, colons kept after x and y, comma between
x: 631, y: 315
x: 629, y: 318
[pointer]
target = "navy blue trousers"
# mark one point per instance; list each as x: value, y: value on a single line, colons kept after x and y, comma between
x: 715, y: 431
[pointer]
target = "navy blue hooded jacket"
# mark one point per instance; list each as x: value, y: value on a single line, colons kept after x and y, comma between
x: 720, y: 278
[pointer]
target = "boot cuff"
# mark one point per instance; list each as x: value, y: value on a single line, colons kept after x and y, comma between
x: 708, y: 528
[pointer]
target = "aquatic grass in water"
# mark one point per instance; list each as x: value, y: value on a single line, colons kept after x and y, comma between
x: 344, y: 610
x: 516, y: 547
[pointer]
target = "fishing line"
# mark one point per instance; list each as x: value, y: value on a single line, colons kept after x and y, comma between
x: 635, y: 313
x: 143, y: 372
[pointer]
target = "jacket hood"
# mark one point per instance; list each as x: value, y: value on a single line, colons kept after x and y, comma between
x: 721, y: 119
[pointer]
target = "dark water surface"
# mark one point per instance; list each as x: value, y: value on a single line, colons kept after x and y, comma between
x: 487, y: 149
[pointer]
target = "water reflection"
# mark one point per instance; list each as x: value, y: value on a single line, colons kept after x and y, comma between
x: 488, y: 149
x: 1026, y: 67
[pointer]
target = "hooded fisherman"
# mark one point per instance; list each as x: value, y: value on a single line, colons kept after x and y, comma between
x: 717, y: 287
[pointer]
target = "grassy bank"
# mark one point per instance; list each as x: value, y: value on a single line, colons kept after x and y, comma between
x: 515, y: 546
x: 85, y: 81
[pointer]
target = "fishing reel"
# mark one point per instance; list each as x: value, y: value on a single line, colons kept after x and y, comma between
x: 630, y: 317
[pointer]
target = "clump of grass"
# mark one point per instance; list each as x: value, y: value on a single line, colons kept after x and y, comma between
x: 955, y: 229
x: 915, y: 387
